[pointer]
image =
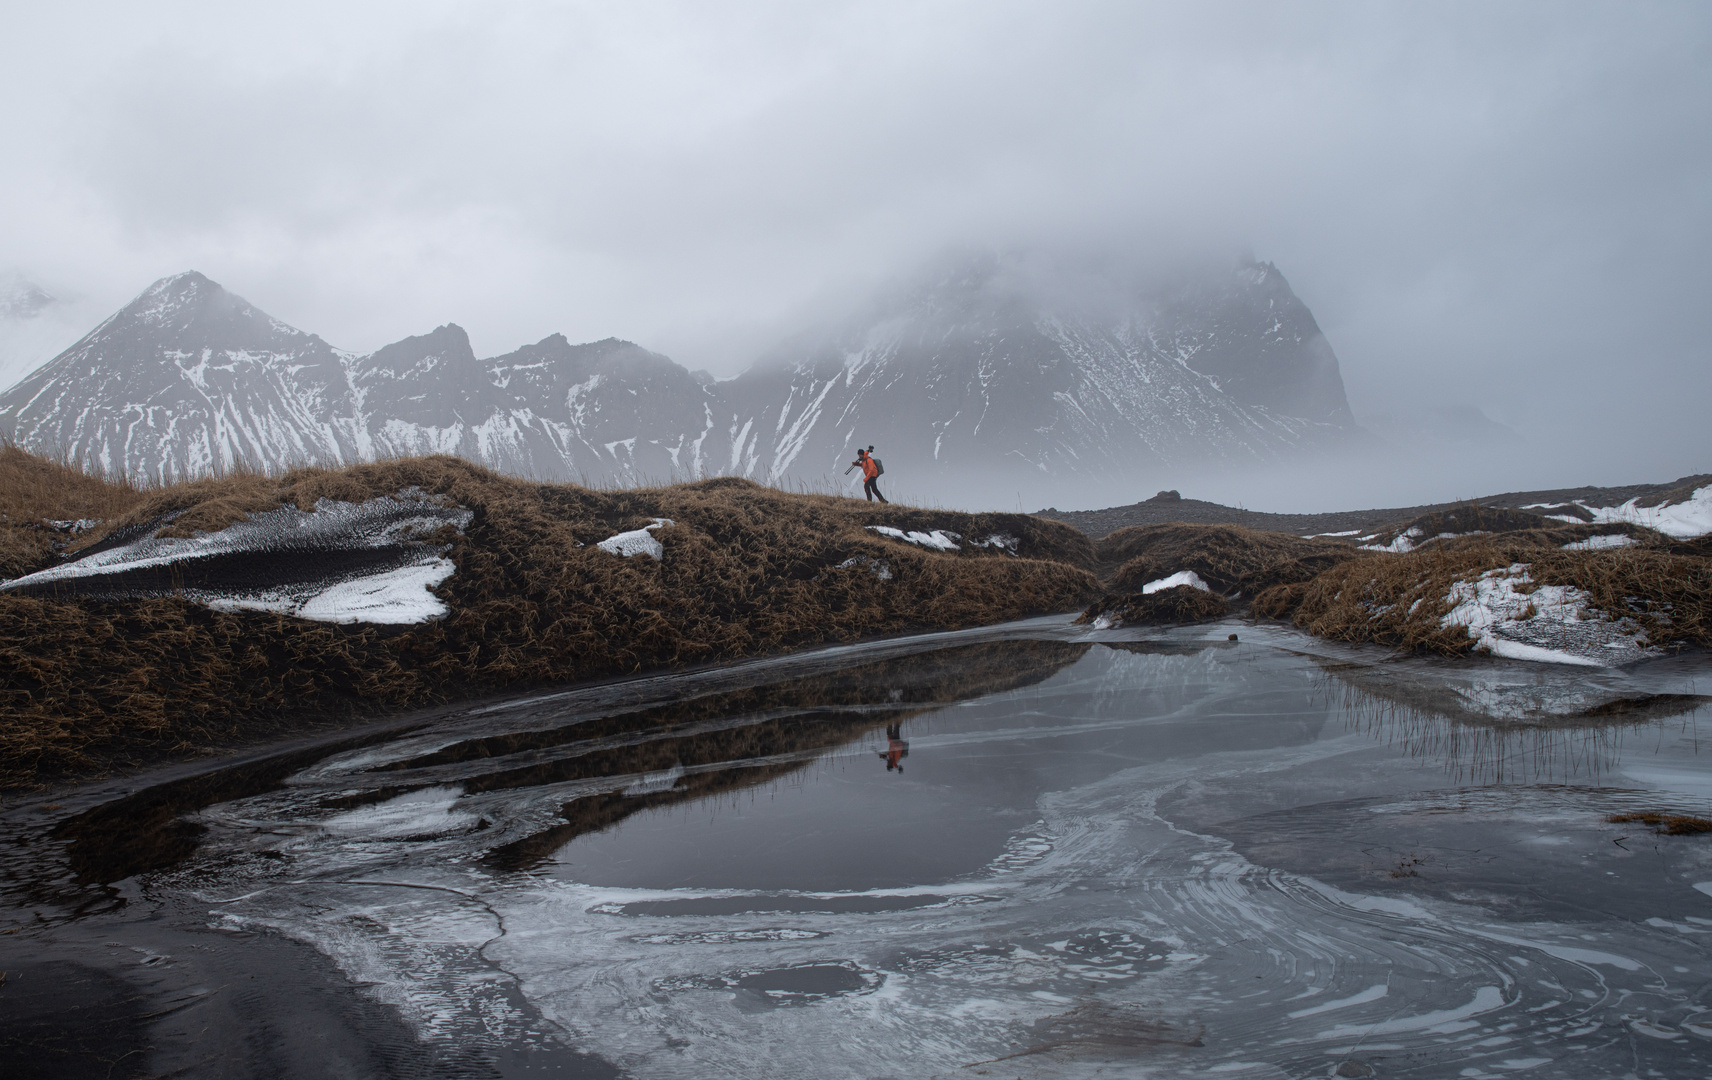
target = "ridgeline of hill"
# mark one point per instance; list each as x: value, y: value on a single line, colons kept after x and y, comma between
x: 1168, y: 507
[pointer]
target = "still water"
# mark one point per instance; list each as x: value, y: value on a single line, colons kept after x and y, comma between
x: 1022, y: 852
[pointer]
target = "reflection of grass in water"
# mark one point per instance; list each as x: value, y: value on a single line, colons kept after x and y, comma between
x: 1432, y: 722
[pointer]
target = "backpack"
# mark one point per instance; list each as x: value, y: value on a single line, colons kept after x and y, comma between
x: 879, y: 469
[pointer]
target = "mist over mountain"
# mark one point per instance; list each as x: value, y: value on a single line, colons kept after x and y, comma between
x: 35, y: 325
x: 989, y: 374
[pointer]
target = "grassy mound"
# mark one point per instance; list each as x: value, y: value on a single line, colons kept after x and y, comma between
x: 1401, y: 600
x: 35, y: 494
x: 1230, y: 558
x: 747, y: 570
x: 1172, y: 607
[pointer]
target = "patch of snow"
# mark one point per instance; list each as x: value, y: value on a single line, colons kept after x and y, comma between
x: 1107, y: 620
x: 1551, y: 624
x: 319, y: 564
x: 1601, y: 543
x: 1401, y: 544
x: 637, y: 541
x: 1571, y: 518
x: 392, y: 597
x: 1181, y: 577
x: 880, y: 567
x: 81, y: 525
x: 1683, y: 520
x: 1005, y: 542
x: 1346, y: 532
x: 938, y: 539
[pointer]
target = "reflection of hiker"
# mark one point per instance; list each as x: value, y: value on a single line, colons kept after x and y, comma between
x: 871, y: 472
x: 896, y: 749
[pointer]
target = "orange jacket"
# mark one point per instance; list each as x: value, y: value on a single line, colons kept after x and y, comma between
x: 869, y: 469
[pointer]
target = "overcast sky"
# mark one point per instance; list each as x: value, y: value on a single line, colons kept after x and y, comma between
x: 1506, y: 205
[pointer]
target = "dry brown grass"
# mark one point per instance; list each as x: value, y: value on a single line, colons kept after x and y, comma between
x: 1230, y: 558
x: 1175, y: 606
x: 34, y: 491
x: 1666, y: 823
x: 1399, y: 600
x: 87, y: 685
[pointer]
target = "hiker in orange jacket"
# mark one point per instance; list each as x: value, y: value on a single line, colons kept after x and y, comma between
x: 871, y: 469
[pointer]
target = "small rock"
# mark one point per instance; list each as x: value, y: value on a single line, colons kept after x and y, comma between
x: 1232, y: 637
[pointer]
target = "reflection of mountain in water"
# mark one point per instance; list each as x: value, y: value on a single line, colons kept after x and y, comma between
x: 1572, y: 728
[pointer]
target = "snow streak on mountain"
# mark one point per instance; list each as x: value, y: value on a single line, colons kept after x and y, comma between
x: 959, y: 377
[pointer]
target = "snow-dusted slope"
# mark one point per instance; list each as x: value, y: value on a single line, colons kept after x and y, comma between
x: 188, y: 378
x: 603, y: 411
x: 967, y: 375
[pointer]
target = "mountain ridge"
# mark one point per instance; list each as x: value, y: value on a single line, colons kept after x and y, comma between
x: 971, y: 374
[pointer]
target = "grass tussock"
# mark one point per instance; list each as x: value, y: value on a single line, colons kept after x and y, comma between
x: 1163, y: 607
x: 1400, y: 600
x: 1230, y: 558
x: 87, y: 685
x: 34, y: 493
x: 1665, y: 823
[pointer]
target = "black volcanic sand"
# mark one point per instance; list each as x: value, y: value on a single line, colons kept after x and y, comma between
x: 1160, y: 510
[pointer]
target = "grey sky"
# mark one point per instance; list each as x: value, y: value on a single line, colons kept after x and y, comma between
x: 1501, y: 204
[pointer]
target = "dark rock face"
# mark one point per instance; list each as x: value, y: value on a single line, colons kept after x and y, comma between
x: 972, y: 374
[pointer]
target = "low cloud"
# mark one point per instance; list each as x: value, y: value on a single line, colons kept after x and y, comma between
x: 1492, y: 205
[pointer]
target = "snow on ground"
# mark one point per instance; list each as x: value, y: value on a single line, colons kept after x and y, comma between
x: 340, y: 562
x: 1181, y: 577
x: 393, y: 597
x: 1406, y: 542
x: 1683, y: 520
x: 1005, y: 542
x: 938, y: 539
x: 1402, y: 544
x: 1551, y: 623
x: 1601, y: 543
x: 637, y: 541
x: 880, y: 567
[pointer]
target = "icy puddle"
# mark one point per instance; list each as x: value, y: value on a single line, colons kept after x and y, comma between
x: 1026, y: 852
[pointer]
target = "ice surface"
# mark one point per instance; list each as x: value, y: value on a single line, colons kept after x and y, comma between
x: 938, y: 539
x: 1181, y: 577
x: 637, y: 541
x: 1163, y: 855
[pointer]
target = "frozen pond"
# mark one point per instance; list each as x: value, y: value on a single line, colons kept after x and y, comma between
x: 1030, y: 851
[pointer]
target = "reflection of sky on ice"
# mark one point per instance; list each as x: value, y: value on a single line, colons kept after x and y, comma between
x: 1178, y: 860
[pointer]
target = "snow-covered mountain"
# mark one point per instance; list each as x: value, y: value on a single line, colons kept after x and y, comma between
x: 974, y: 373
x: 983, y: 371
x: 186, y: 379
